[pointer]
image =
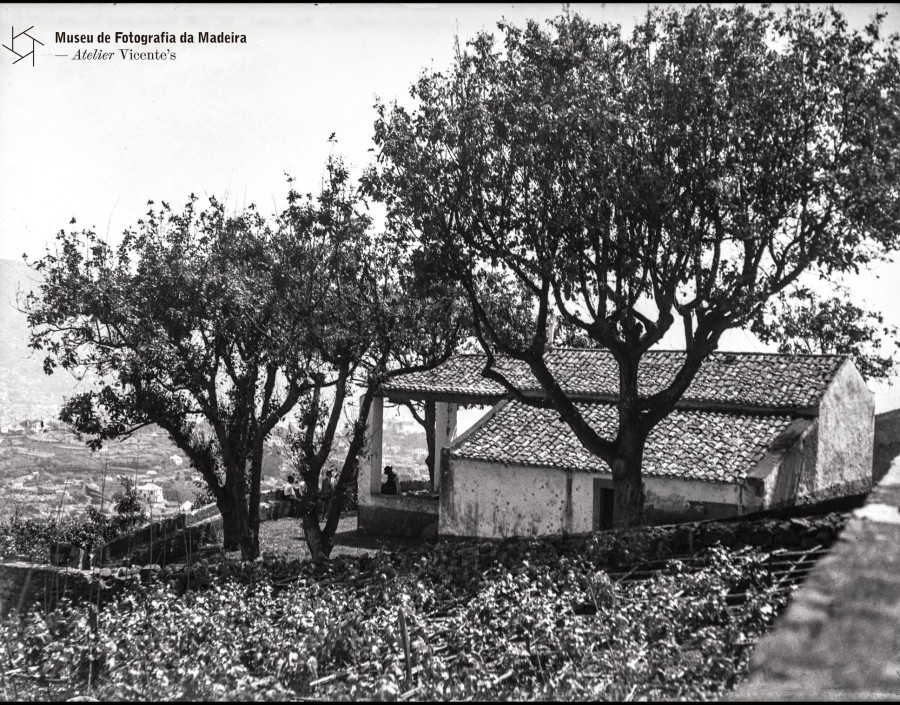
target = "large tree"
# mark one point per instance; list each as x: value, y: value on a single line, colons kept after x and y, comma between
x: 683, y: 174
x: 211, y: 326
x: 375, y: 308
x: 346, y: 299
x: 399, y: 330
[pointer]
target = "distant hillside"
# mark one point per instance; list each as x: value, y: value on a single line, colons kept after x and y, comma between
x: 25, y: 391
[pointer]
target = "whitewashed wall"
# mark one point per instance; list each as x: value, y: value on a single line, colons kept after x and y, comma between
x: 492, y: 500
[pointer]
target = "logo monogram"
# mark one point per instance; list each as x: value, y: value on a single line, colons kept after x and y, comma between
x: 21, y: 43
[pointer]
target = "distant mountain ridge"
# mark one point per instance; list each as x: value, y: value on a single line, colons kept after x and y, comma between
x: 25, y: 391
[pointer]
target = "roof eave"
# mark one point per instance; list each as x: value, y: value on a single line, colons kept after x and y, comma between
x: 742, y: 409
x: 591, y: 471
x: 396, y: 395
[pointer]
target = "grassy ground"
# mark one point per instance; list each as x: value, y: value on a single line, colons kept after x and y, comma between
x: 284, y: 537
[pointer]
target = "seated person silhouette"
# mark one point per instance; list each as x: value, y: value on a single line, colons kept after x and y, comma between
x: 390, y: 486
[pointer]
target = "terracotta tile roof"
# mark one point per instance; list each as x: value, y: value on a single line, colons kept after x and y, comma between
x: 698, y: 445
x: 752, y: 379
x: 461, y: 374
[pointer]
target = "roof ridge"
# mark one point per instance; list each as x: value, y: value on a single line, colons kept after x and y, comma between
x: 795, y: 381
x: 744, y: 353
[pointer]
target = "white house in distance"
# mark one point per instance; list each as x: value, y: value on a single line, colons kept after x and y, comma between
x: 753, y: 432
x: 151, y: 494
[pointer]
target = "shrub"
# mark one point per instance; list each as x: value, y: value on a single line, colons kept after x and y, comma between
x: 128, y: 503
x: 32, y: 538
x: 480, y: 624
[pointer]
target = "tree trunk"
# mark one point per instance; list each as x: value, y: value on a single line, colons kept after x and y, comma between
x: 230, y: 529
x: 255, y: 480
x: 236, y: 490
x: 334, y: 517
x: 249, y: 543
x: 430, y: 418
x: 236, y: 530
x: 628, y: 494
x: 628, y: 486
x: 347, y: 479
x: 319, y: 546
x: 349, y: 472
x: 320, y: 541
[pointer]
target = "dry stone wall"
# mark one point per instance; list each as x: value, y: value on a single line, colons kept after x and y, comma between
x: 24, y: 584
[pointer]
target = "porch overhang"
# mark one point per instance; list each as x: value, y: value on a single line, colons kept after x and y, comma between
x: 401, y: 395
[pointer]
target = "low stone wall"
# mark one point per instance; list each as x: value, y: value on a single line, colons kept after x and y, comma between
x: 170, y: 540
x: 624, y: 547
x: 22, y: 585
x: 177, y: 538
x: 180, y: 546
x: 399, y: 515
x: 207, y: 511
x: 689, y: 512
x: 803, y: 533
x: 162, y: 542
x: 157, y: 532
x: 887, y: 442
x: 270, y: 509
x: 840, y: 637
x: 26, y: 585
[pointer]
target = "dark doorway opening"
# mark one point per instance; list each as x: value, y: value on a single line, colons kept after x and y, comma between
x: 603, y: 505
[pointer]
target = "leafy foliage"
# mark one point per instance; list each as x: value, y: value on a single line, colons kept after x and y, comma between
x: 685, y: 174
x: 175, y: 324
x: 128, y: 503
x: 32, y: 539
x: 433, y: 324
x: 490, y: 621
x: 804, y: 322
x: 214, y: 327
x: 378, y: 308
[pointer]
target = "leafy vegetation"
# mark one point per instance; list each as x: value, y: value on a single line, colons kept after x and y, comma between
x: 523, y: 620
x: 33, y: 540
x: 218, y: 327
x: 670, y: 181
x: 814, y: 324
x: 169, y: 321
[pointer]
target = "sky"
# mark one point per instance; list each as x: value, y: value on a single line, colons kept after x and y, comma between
x: 96, y: 139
